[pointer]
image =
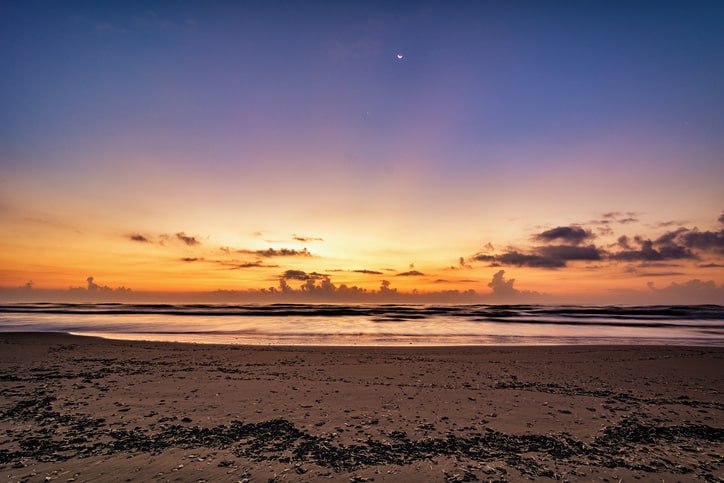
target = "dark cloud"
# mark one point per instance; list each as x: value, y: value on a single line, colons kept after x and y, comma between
x: 525, y: 260
x: 295, y: 275
x: 570, y: 252
x: 721, y: 217
x: 649, y: 252
x: 703, y: 240
x: 411, y: 273
x: 314, y: 283
x: 678, y: 244
x: 368, y: 272
x: 281, y: 252
x: 188, y: 240
x: 305, y: 239
x: 190, y: 259
x: 570, y: 234
x: 623, y: 242
x: 711, y: 265
x: 139, y: 238
x: 669, y: 238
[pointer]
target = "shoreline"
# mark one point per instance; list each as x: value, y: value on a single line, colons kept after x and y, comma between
x: 79, y: 408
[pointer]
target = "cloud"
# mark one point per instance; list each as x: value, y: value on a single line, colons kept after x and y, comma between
x: 570, y: 252
x: 649, y: 252
x: 305, y: 239
x: 316, y: 283
x: 711, y: 265
x: 281, y: 252
x: 679, y: 244
x: 623, y: 218
x: 368, y: 272
x: 411, y: 273
x: 504, y: 290
x: 462, y: 265
x: 660, y: 274
x: 191, y: 259
x: 188, y: 240
x: 569, y: 234
x: 254, y: 264
x: 536, y: 261
x: 295, y: 275
x: 92, y: 286
x: 524, y: 260
x: 501, y: 286
x: 703, y: 240
x: 721, y: 217
x: 139, y: 238
x: 693, y: 291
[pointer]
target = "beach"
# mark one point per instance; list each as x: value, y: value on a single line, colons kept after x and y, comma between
x: 90, y: 409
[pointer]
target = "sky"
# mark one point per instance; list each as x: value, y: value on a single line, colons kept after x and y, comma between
x: 487, y: 151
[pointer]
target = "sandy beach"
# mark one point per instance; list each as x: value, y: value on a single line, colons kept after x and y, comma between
x: 87, y: 409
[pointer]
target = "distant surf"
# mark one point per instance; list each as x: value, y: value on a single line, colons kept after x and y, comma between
x: 376, y: 324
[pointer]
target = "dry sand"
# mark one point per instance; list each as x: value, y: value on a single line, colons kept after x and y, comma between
x: 86, y: 409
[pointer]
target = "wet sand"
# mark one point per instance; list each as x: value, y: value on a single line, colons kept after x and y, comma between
x: 87, y: 409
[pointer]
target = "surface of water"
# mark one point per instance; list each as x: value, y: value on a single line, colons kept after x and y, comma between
x: 377, y: 324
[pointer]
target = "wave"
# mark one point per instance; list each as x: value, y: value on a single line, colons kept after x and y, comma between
x: 390, y: 311
x: 376, y: 323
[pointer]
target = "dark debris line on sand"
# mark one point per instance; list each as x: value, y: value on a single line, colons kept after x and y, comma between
x: 59, y: 437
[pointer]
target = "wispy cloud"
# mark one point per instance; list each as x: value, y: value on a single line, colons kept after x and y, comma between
x: 188, y: 240
x: 622, y: 218
x: 106, y: 27
x: 254, y: 264
x: 278, y: 252
x: 307, y: 239
x: 462, y: 264
x: 139, y: 238
x: 411, y: 273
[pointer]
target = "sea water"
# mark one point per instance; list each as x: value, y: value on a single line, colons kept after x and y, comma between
x: 376, y: 324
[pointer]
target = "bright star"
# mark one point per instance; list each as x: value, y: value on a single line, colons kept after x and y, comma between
x: 399, y: 56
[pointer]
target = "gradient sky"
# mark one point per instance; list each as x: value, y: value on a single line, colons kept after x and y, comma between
x: 200, y: 146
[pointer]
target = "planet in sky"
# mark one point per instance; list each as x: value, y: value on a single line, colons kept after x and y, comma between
x: 399, y: 56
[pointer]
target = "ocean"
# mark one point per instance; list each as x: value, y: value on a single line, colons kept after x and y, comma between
x: 376, y: 324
